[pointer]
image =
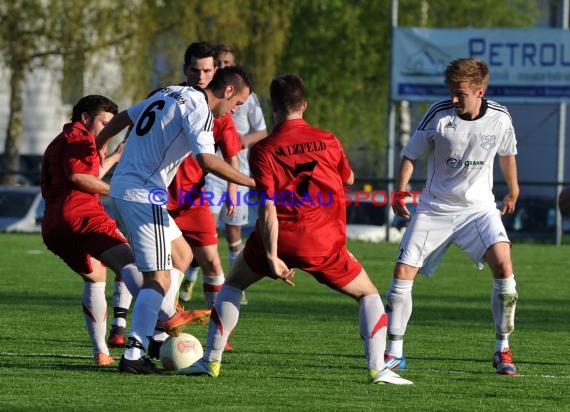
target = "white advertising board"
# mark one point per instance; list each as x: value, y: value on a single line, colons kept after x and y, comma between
x: 525, y: 64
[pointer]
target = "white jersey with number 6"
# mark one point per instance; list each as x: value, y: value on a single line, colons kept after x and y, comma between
x: 167, y: 127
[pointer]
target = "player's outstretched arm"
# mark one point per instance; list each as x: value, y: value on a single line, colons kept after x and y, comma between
x: 402, y: 181
x: 252, y: 138
x: 231, y: 206
x: 269, y: 225
x: 119, y: 122
x: 107, y: 162
x: 89, y: 183
x: 508, y: 165
x: 213, y: 164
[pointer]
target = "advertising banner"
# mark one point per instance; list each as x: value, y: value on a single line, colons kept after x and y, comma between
x: 525, y: 64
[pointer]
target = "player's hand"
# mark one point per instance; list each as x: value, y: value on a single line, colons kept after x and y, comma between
x: 509, y: 203
x: 231, y: 209
x: 121, y: 147
x: 401, y: 210
x: 281, y: 271
x: 103, y: 152
x: 231, y: 203
x: 119, y: 150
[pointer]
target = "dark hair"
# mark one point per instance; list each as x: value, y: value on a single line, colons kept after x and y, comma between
x: 287, y: 93
x: 199, y: 50
x: 231, y: 75
x: 93, y: 105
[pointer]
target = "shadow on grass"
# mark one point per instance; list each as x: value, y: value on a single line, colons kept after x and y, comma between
x: 455, y: 311
x: 25, y: 300
x: 49, y: 361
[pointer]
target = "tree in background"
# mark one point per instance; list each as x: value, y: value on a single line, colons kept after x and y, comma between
x: 473, y: 14
x: 146, y: 37
x: 340, y: 47
x: 35, y: 33
x: 342, y: 51
x: 445, y: 14
x: 256, y: 29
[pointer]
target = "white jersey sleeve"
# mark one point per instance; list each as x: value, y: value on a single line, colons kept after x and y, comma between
x: 508, y: 141
x: 248, y: 118
x: 421, y: 141
x: 198, y: 127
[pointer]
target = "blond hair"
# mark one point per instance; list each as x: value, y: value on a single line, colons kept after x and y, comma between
x: 470, y: 70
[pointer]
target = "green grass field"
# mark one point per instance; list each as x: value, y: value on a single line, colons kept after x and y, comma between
x: 298, y: 348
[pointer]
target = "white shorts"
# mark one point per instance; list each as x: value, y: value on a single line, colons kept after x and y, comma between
x: 216, y: 188
x: 150, y: 231
x: 428, y: 236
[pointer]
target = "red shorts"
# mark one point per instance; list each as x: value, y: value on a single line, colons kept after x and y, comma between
x: 88, y: 236
x: 336, y: 270
x: 197, y: 225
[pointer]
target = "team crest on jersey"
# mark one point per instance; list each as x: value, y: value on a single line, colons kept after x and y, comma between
x: 488, y: 141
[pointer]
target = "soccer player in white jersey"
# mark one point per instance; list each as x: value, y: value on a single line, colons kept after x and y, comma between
x: 462, y: 137
x: 166, y: 127
x: 250, y: 124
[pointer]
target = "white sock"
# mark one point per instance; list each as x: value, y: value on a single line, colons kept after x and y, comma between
x: 399, y: 308
x: 503, y: 304
x: 192, y: 274
x: 223, y: 320
x: 133, y: 279
x: 373, y: 322
x: 212, y: 286
x: 121, y: 303
x: 95, y: 313
x: 232, y: 256
x: 143, y: 321
x: 160, y: 336
x: 168, y: 306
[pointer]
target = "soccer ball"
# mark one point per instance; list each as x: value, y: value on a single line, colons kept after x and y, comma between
x: 564, y: 202
x: 180, y: 351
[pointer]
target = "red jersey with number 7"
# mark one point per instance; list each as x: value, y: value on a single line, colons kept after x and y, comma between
x: 302, y: 169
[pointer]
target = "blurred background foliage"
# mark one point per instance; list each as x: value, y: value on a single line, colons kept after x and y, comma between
x: 340, y: 47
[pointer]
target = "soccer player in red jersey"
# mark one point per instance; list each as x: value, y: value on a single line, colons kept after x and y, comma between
x: 75, y: 226
x: 299, y: 169
x: 250, y: 125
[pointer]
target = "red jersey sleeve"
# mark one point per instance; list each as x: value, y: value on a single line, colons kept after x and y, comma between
x: 261, y: 171
x: 226, y: 136
x: 187, y: 182
x: 80, y: 154
x: 344, y: 168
